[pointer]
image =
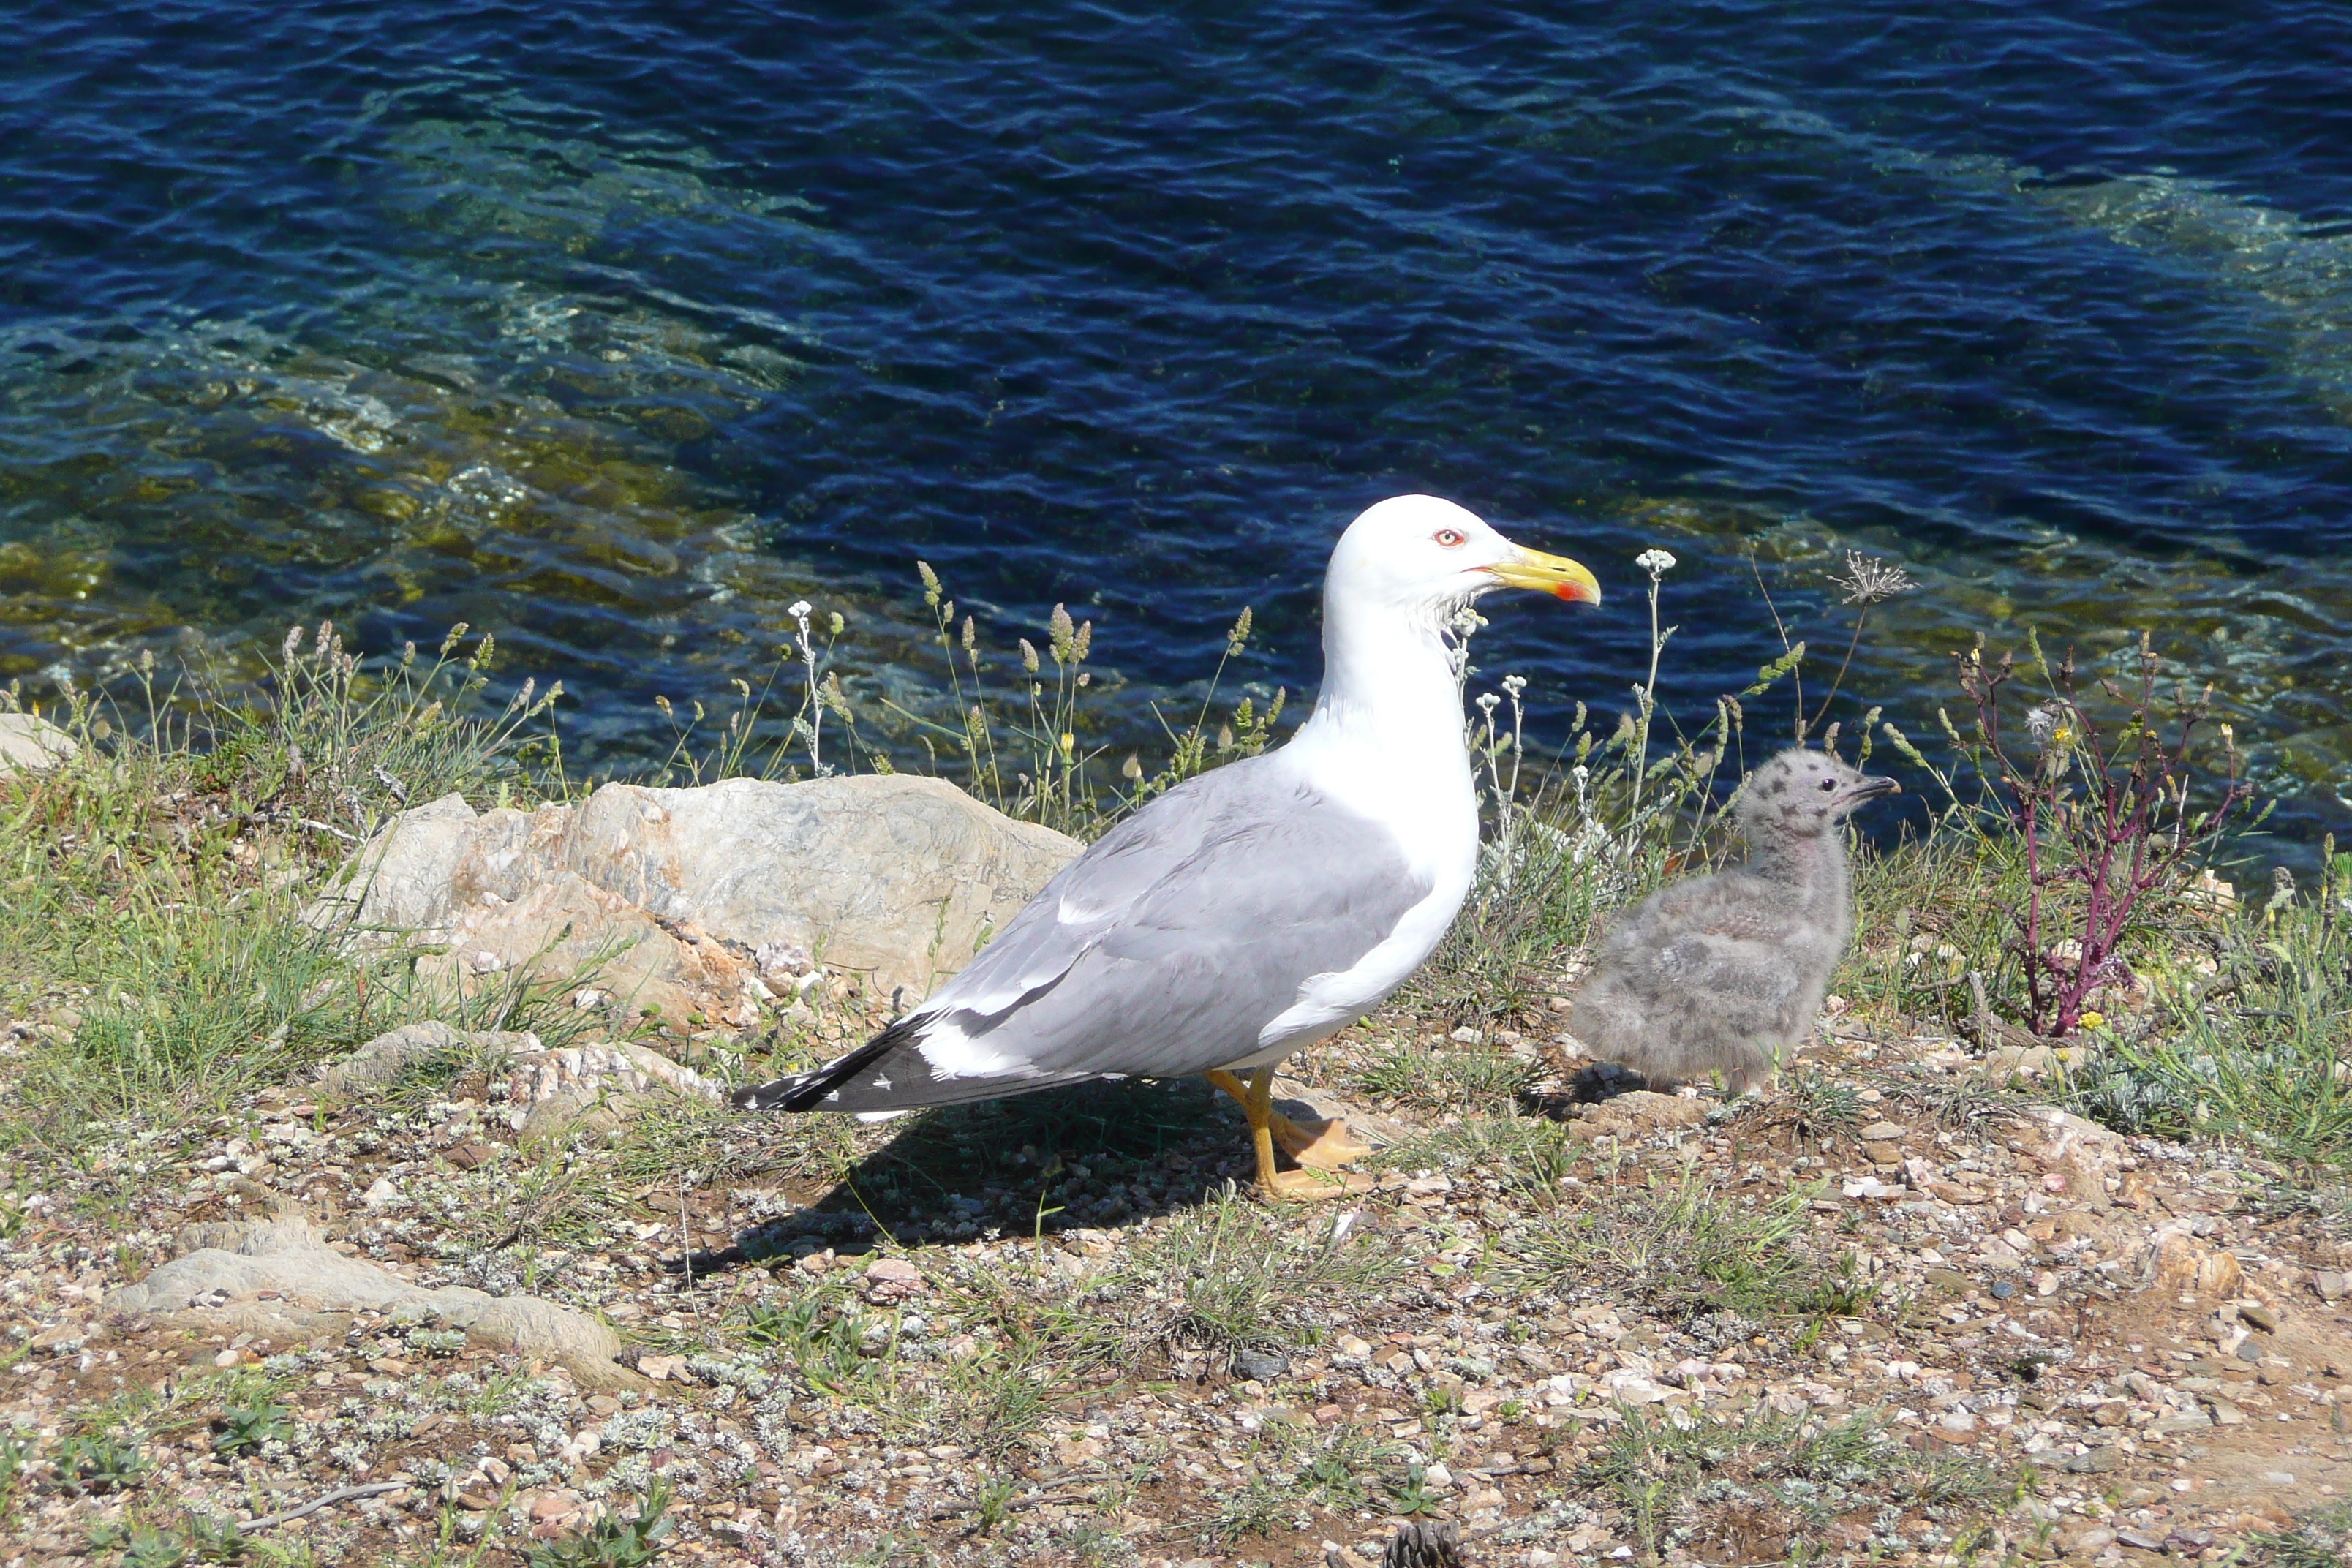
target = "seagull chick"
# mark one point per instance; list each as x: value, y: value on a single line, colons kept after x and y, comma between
x: 1725, y: 973
x: 1257, y: 909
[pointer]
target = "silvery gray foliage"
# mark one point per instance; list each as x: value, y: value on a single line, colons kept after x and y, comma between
x: 1725, y: 973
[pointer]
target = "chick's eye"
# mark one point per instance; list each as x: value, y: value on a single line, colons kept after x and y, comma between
x: 1828, y: 785
x: 1447, y: 537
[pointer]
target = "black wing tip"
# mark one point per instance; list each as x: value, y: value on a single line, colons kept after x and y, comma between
x: 776, y: 1095
x: 807, y: 1090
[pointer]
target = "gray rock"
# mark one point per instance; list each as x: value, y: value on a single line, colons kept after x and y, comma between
x: 32, y: 745
x: 703, y: 901
x: 394, y: 1052
x: 596, y: 1086
x: 1261, y: 1366
x: 314, y: 1285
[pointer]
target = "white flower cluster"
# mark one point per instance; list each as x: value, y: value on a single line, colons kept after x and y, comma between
x: 1656, y: 562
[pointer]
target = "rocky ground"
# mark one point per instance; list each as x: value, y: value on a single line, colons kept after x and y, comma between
x: 1892, y: 1310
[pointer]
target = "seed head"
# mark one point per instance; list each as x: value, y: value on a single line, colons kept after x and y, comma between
x: 1655, y: 561
x: 1870, y: 581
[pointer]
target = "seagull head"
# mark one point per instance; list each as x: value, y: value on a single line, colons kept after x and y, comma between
x: 1801, y: 792
x: 1427, y: 557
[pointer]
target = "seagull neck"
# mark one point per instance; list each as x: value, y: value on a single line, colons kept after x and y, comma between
x: 1816, y: 864
x: 1389, y: 684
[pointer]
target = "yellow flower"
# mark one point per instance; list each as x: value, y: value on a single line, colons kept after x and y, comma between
x: 2093, y: 1019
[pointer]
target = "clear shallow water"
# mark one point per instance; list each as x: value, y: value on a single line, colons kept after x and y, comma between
x: 619, y: 333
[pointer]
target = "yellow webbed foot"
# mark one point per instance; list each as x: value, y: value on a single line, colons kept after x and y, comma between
x: 1319, y: 1145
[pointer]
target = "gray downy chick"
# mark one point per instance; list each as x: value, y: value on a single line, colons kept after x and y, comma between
x: 1726, y: 974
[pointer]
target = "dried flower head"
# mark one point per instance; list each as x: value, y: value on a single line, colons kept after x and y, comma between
x: 1870, y: 581
x: 2049, y: 727
x: 1655, y: 561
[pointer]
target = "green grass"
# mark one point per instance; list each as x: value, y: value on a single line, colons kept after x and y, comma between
x: 1477, y: 1080
x: 1762, y: 1484
x: 2252, y: 1052
x: 1233, y: 1275
x: 2319, y: 1539
x: 1677, y: 1245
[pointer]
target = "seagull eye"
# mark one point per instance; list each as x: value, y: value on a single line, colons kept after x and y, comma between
x: 1828, y: 785
x: 1447, y: 537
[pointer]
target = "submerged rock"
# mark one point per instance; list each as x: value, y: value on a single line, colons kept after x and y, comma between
x: 701, y: 903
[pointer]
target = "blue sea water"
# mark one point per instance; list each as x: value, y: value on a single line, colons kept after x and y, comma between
x: 620, y: 328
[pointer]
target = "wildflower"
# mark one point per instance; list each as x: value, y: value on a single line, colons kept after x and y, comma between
x: 1870, y: 581
x: 2093, y: 1019
x: 1132, y: 768
x: 1655, y: 561
x: 799, y: 609
x: 1239, y: 637
x: 1028, y: 655
x: 2047, y: 726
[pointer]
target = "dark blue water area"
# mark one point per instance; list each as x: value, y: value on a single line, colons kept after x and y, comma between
x: 621, y: 328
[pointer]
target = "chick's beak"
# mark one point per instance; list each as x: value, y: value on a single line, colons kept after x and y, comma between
x: 1553, y: 575
x: 1873, y: 787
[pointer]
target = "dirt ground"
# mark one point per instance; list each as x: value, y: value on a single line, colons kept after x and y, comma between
x: 1892, y: 1310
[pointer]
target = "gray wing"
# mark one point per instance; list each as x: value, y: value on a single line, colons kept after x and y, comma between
x: 1160, y: 952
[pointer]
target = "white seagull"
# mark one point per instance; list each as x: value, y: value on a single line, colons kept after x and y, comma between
x: 1257, y: 909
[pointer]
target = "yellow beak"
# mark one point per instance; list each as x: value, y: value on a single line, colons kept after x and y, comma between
x: 1553, y: 575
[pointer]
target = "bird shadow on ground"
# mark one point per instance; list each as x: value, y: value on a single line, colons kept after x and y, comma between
x: 1086, y: 1156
